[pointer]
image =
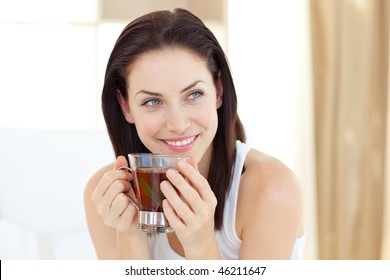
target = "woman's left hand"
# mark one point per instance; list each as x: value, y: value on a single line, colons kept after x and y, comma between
x: 191, y: 214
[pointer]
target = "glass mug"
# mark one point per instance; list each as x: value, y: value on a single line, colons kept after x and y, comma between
x: 148, y: 171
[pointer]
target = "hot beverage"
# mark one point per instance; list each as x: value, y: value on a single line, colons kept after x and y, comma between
x: 149, y: 171
x: 148, y: 180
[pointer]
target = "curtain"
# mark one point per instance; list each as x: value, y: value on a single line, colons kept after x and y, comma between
x: 350, y: 57
x: 385, y: 252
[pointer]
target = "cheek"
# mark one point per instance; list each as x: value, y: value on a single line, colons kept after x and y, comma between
x: 207, y: 117
x: 147, y: 127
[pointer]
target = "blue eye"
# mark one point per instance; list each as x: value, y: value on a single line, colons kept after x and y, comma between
x: 151, y: 102
x: 195, y: 94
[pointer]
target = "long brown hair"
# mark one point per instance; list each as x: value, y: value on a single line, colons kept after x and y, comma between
x: 179, y: 28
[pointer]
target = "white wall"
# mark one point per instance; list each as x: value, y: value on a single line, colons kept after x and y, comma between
x: 48, y: 64
x: 269, y: 54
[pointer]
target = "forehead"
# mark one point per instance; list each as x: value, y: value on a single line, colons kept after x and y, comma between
x: 168, y: 51
x: 165, y: 66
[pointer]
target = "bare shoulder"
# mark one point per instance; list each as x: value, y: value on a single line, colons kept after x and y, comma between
x: 271, y: 192
x: 270, y: 175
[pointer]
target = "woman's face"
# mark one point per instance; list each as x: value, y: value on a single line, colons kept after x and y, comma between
x: 173, y: 101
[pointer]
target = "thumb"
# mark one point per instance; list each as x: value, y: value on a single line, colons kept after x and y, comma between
x: 120, y: 161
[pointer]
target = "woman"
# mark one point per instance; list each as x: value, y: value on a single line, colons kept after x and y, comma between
x: 168, y: 90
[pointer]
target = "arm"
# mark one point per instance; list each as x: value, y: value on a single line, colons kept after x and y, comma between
x: 269, y: 212
x: 111, y: 218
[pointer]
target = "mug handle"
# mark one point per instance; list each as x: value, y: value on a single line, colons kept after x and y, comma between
x: 135, y: 203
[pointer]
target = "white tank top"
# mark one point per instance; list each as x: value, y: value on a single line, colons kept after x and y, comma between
x: 229, y: 243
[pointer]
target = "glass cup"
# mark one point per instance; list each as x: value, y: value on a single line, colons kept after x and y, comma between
x: 148, y: 171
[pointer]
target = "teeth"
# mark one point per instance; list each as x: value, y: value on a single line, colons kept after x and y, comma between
x: 180, y: 143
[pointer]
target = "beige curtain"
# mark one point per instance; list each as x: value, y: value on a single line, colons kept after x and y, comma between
x: 350, y: 42
x: 385, y: 252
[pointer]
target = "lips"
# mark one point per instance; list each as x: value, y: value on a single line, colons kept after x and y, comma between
x: 180, y: 143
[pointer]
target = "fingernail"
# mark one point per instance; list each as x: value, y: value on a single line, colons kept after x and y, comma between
x: 182, y: 164
x: 171, y: 173
x: 164, y: 186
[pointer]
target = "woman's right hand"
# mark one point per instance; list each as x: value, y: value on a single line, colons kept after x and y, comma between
x: 112, y: 201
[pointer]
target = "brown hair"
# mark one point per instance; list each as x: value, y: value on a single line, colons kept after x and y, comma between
x: 179, y: 28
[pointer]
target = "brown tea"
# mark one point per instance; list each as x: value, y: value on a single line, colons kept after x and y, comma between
x: 148, y: 181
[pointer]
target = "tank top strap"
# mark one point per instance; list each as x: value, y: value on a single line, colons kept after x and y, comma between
x: 228, y: 241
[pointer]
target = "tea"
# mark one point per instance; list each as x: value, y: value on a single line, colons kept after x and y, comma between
x: 149, y: 171
x: 148, y: 181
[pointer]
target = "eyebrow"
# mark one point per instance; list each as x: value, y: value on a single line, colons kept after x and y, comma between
x: 159, y: 94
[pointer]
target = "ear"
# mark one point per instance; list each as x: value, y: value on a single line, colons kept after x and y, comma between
x: 124, y: 106
x: 219, y: 91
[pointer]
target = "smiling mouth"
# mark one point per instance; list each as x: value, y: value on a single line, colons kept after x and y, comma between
x: 181, y: 143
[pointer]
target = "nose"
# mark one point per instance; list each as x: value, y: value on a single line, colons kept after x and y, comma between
x: 177, y: 119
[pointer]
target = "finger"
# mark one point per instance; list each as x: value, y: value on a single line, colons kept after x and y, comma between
x: 180, y: 207
x: 121, y: 213
x: 197, y: 180
x: 122, y: 164
x: 127, y: 218
x: 109, y: 177
x: 117, y: 187
x: 174, y: 221
x: 190, y: 194
x: 119, y: 205
x: 105, y: 203
x: 107, y: 180
x: 120, y: 161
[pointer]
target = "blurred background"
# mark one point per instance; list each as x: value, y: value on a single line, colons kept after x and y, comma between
x: 312, y: 78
